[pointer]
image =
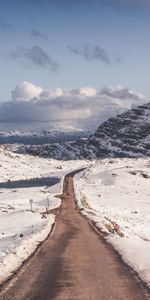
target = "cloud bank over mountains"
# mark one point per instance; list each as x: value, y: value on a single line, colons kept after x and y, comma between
x: 86, y: 106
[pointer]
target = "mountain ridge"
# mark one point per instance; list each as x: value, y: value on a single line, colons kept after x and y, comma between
x: 126, y: 135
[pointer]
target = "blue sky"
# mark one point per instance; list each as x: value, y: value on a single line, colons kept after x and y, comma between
x: 64, y: 30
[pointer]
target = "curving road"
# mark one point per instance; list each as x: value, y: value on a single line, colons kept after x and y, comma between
x: 73, y: 264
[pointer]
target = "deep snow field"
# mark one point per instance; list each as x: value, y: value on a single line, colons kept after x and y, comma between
x: 22, y: 229
x: 115, y: 194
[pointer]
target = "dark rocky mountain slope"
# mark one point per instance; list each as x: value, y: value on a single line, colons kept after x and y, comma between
x: 126, y: 135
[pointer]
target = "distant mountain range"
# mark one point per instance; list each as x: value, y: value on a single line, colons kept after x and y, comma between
x: 127, y: 135
x: 34, y: 133
x: 39, y: 138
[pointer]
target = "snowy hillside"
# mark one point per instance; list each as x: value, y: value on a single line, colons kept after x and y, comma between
x: 28, y: 186
x: 127, y: 135
x: 114, y: 194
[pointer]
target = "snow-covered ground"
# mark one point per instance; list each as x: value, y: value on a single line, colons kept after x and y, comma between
x: 23, y: 227
x: 115, y: 194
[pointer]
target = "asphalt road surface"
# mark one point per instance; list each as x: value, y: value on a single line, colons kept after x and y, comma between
x: 75, y: 263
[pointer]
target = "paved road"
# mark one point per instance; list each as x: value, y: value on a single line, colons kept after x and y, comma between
x: 74, y: 264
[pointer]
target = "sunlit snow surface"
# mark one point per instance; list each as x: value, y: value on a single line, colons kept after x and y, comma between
x: 110, y: 190
x: 118, y: 190
x: 21, y: 230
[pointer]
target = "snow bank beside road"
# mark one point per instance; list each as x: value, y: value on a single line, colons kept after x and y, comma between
x: 23, y: 227
x: 19, y: 248
x: 115, y: 195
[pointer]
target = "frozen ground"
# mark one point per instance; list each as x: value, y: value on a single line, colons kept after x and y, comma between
x: 23, y: 227
x: 115, y: 194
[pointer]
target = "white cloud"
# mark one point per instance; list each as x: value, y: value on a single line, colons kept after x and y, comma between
x: 121, y: 93
x: 53, y: 94
x: 87, y: 108
x: 88, y: 91
x: 25, y: 91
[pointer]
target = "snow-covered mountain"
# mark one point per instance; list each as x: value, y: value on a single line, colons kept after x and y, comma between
x: 127, y: 135
x: 42, y: 137
x: 39, y: 133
